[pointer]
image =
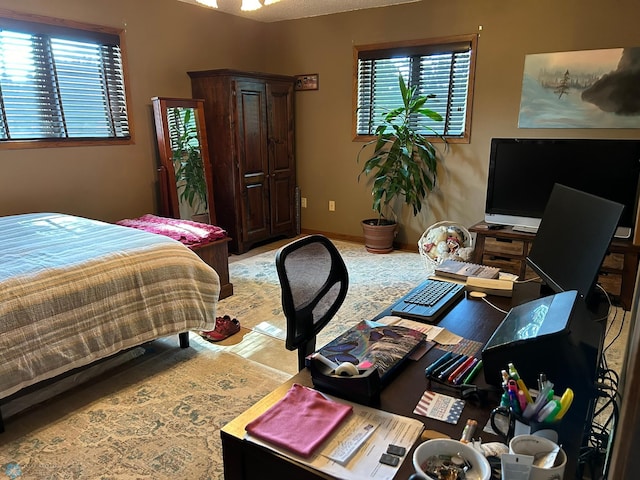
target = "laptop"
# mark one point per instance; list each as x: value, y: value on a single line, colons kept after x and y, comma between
x: 429, y: 300
x: 370, y: 343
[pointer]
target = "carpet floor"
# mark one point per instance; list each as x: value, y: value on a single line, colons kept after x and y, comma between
x: 158, y: 415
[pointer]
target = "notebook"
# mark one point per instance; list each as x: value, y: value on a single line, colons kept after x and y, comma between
x: 368, y: 343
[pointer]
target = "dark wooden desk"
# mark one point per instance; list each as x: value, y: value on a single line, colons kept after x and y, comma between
x: 472, y: 319
x: 507, y: 249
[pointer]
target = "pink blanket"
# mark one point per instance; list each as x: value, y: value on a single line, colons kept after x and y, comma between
x: 185, y: 231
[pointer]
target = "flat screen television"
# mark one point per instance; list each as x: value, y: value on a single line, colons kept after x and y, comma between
x: 522, y: 172
x: 573, y: 239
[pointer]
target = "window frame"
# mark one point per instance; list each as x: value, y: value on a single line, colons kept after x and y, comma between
x: 11, y: 144
x: 470, y: 39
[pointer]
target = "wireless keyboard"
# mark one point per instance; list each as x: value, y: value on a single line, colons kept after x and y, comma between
x: 428, y: 301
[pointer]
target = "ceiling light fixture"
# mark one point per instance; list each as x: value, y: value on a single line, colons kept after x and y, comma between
x: 249, y: 5
x: 270, y: 2
x: 209, y: 3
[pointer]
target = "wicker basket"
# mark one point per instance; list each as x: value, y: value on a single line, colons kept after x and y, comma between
x: 444, y: 240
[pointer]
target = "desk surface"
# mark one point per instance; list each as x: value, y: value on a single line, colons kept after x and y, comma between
x: 471, y: 319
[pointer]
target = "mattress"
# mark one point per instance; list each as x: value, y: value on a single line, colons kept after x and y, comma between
x: 75, y: 290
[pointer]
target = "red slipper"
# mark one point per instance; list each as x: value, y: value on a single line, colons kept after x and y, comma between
x: 225, y: 327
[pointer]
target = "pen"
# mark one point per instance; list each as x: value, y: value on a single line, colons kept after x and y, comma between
x: 462, y: 367
x: 429, y: 370
x: 446, y: 364
x: 452, y: 367
x: 473, y: 372
x: 458, y: 379
x: 513, y: 402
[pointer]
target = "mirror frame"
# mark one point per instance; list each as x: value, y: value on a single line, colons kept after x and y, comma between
x: 169, y: 198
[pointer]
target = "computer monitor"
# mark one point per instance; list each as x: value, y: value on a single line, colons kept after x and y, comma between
x: 554, y: 335
x: 573, y: 239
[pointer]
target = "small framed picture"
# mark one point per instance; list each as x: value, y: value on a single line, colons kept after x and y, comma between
x: 307, y: 82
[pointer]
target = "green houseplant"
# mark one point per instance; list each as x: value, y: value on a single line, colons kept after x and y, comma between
x: 187, y: 160
x: 403, y: 165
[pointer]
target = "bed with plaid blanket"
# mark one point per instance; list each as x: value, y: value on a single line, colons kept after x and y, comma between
x: 75, y: 290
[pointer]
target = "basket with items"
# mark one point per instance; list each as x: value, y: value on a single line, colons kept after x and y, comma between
x: 445, y: 240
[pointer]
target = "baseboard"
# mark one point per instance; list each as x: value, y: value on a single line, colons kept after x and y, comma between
x: 357, y: 239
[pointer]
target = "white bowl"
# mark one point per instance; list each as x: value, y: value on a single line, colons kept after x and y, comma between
x: 480, y: 469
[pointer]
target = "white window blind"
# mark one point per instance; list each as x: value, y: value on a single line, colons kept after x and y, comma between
x: 440, y: 70
x: 60, y: 83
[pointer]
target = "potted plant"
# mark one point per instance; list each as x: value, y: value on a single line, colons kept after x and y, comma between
x: 187, y: 160
x: 403, y: 164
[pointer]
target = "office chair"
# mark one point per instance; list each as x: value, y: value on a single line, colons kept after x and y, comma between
x: 314, y: 282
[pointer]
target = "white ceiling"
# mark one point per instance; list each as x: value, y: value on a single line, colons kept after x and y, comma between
x: 293, y: 9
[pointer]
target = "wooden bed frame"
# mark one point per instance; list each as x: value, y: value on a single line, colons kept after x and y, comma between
x: 216, y: 255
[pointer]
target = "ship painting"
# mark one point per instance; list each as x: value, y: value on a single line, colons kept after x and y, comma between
x: 581, y: 89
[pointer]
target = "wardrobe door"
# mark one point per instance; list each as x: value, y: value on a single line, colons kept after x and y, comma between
x: 282, y: 172
x: 253, y: 164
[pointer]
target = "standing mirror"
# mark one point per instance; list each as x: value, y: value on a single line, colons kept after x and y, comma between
x: 186, y: 187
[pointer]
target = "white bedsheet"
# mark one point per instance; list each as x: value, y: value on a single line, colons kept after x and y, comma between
x: 74, y: 290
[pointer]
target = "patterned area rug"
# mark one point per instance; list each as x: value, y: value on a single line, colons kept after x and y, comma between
x: 159, y: 418
x: 375, y: 282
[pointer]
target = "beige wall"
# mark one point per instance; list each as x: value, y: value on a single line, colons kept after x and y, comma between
x: 326, y: 153
x: 166, y: 38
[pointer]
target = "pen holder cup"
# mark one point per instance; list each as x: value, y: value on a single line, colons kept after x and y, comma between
x: 508, y: 424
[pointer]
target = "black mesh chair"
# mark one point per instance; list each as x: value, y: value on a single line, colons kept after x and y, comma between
x: 314, y: 283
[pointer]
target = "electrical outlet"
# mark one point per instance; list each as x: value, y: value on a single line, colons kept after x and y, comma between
x: 332, y: 206
x: 303, y: 202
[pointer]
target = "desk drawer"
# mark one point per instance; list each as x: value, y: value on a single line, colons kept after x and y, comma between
x: 504, y: 246
x: 503, y: 263
x: 611, y: 282
x: 614, y: 261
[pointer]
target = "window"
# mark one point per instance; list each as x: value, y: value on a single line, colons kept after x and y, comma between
x: 442, y: 67
x: 60, y: 84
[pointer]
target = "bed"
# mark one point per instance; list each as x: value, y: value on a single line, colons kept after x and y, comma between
x: 75, y: 290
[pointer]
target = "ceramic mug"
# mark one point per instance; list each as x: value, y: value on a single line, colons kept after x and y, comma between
x: 514, y: 424
x: 534, y: 444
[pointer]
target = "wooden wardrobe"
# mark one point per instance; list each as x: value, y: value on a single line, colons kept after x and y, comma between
x: 250, y: 131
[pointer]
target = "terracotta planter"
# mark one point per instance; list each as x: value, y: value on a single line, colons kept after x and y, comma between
x: 379, y: 238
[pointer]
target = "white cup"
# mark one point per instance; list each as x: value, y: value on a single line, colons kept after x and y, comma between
x: 533, y: 444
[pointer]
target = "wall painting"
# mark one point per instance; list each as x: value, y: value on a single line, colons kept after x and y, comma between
x: 581, y: 89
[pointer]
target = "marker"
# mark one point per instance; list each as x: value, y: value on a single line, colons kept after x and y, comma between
x: 429, y: 370
x: 525, y: 390
x: 549, y: 411
x: 465, y: 371
x: 454, y: 358
x: 522, y: 400
x: 565, y: 401
x: 473, y: 372
x: 452, y: 367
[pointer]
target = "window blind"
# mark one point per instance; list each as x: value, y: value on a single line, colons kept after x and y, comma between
x: 438, y: 72
x: 57, y: 87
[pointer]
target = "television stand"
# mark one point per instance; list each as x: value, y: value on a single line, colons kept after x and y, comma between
x: 525, y: 229
x: 507, y: 249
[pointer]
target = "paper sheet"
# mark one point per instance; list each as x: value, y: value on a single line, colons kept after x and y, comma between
x: 363, y: 464
x: 433, y: 333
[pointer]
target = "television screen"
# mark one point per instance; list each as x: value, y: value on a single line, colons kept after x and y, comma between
x: 573, y: 239
x: 522, y: 173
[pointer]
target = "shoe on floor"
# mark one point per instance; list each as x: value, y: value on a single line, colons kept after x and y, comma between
x: 225, y: 327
